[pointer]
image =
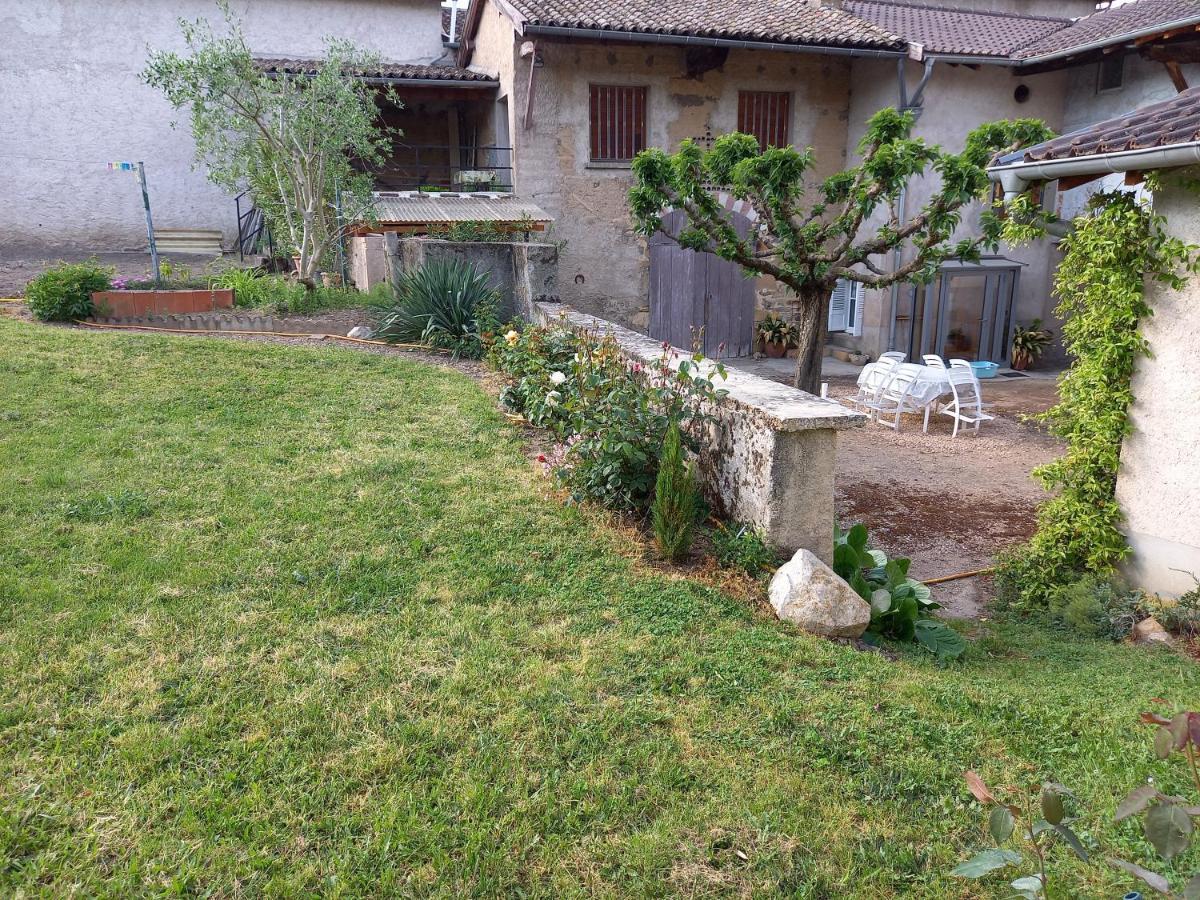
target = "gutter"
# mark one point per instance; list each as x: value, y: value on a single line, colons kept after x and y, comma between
x: 1108, y: 41
x: 461, y: 83
x: 1017, y: 178
x: 642, y: 37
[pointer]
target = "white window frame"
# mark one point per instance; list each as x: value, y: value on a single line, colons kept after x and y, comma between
x: 846, y: 308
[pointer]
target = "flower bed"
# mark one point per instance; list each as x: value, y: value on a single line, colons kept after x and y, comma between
x: 130, y: 304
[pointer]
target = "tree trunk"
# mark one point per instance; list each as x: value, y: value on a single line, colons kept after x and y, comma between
x: 813, y: 324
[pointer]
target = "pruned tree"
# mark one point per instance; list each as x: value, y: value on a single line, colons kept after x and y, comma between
x: 808, y: 244
x: 299, y: 143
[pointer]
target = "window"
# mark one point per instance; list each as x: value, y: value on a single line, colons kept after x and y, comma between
x: 618, y: 122
x: 845, y: 307
x: 1110, y: 75
x: 767, y: 115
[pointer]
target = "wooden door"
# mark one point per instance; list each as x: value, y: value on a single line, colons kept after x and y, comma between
x: 699, y: 296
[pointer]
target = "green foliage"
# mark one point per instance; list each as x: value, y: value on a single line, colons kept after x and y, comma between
x: 1029, y: 343
x: 808, y: 241
x: 742, y: 547
x: 302, y: 144
x: 1167, y: 819
x: 447, y: 303
x: 612, y: 415
x: 1098, y: 607
x: 257, y: 289
x: 901, y: 607
x: 1108, y: 257
x: 485, y: 232
x: 775, y: 330
x: 64, y: 292
x: 538, y: 363
x: 1032, y: 820
x: 1180, y: 616
x: 676, y: 499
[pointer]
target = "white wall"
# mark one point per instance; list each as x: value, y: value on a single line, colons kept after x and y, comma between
x: 72, y: 101
x: 1159, y: 482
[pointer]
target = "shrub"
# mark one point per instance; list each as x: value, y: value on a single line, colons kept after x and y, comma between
x: 613, y: 414
x: 742, y: 547
x: 676, y: 500
x: 1098, y: 607
x: 901, y: 607
x: 445, y: 303
x: 64, y: 292
x: 1180, y: 616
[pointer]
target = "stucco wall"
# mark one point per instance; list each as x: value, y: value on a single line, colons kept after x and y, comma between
x: 1159, y: 482
x: 604, y: 267
x: 73, y: 101
x: 956, y: 100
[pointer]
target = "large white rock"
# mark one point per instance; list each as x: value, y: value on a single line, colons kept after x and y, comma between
x: 808, y: 593
x: 359, y: 331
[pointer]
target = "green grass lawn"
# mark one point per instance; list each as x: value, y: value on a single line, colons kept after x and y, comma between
x: 279, y: 621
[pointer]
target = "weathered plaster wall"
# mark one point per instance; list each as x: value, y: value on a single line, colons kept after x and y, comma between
x: 524, y: 274
x: 1159, y: 482
x: 73, y: 101
x: 956, y: 100
x: 770, y: 453
x: 604, y: 267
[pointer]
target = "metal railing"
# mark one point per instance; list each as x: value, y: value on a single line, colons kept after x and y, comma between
x: 447, y: 167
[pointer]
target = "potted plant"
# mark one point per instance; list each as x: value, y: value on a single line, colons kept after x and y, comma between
x: 777, y: 336
x: 1029, y: 343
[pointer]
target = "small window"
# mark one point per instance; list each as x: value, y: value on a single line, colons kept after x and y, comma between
x: 1111, y: 74
x: 845, y: 307
x: 618, y: 122
x: 767, y: 115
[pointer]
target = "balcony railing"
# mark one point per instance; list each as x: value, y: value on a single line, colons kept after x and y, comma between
x: 447, y: 167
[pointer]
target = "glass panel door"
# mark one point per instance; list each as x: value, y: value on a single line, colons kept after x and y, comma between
x: 964, y: 305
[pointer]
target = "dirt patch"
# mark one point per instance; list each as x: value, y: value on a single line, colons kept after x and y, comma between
x: 948, y: 503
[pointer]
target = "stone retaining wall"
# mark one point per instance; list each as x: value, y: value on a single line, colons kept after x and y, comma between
x: 770, y: 455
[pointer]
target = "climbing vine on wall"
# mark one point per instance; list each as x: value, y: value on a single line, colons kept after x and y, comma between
x: 1113, y: 251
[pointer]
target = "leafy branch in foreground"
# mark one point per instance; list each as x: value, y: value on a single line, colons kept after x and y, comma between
x: 808, y: 245
x: 1166, y: 819
x: 1032, y: 819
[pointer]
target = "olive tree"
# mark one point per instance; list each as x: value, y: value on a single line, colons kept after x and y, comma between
x: 299, y: 143
x: 808, y: 243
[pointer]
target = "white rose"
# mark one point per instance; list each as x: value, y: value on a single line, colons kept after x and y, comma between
x: 557, y: 378
x: 552, y: 398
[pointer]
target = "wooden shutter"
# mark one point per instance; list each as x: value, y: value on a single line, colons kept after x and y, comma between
x: 839, y: 306
x: 854, y: 315
x: 767, y: 115
x: 618, y: 122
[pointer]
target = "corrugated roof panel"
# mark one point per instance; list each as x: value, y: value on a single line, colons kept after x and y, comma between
x: 417, y: 208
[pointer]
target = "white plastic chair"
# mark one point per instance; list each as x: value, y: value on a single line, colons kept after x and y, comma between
x: 967, y: 405
x: 871, y: 381
x: 960, y: 364
x: 896, y: 398
x: 933, y: 361
x: 894, y: 356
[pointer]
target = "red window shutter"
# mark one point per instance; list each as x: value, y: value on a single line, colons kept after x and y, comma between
x: 767, y: 115
x: 617, y: 122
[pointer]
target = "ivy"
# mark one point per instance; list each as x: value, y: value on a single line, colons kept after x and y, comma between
x: 1113, y: 251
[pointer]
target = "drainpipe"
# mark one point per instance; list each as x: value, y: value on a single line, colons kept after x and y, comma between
x: 529, y: 48
x: 911, y: 105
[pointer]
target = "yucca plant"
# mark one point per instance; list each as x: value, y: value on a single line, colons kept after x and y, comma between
x: 445, y: 303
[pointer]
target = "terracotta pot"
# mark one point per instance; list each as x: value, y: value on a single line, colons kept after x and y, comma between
x: 776, y: 351
x: 1021, y: 361
x: 132, y: 304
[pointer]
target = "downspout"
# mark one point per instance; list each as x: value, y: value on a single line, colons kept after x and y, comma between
x: 913, y: 105
x: 532, y: 49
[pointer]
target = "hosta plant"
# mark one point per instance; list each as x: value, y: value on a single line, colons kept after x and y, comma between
x: 901, y: 607
x: 1167, y: 820
x: 1023, y: 826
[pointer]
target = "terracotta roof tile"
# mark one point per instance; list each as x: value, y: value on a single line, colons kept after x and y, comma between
x: 1114, y: 25
x: 951, y: 30
x: 1174, y: 121
x: 767, y: 21
x: 383, y: 70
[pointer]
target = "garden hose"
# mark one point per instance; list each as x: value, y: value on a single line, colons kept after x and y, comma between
x: 283, y: 334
